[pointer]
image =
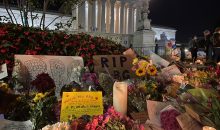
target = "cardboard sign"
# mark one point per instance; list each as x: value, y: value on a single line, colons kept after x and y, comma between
x: 154, y: 108
x: 118, y: 66
x: 3, y: 71
x: 120, y: 97
x: 130, y: 52
x: 16, y: 125
x: 141, y: 116
x: 60, y: 68
x: 187, y: 123
x: 81, y: 103
x: 157, y: 60
x: 170, y: 71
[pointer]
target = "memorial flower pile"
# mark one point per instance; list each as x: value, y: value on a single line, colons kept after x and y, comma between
x: 15, y: 39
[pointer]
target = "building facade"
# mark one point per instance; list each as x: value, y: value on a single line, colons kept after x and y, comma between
x: 124, y: 21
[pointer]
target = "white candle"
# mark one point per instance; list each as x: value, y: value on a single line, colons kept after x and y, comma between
x: 120, y: 96
x: 208, y: 128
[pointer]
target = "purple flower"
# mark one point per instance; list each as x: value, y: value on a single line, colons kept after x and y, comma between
x: 90, y: 78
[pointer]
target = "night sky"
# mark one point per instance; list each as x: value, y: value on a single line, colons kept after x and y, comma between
x: 189, y: 17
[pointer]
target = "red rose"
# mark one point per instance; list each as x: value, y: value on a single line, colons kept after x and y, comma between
x: 92, y: 46
x: 7, y: 61
x: 66, y: 36
x: 26, y: 33
x: 3, y: 51
x: 3, y: 32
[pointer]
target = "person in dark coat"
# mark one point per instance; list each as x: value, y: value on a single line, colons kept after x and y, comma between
x: 216, y: 43
x: 208, y: 44
x: 194, y: 48
x: 156, y: 48
x: 183, y: 54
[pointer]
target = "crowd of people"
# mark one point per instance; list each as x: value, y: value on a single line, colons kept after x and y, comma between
x: 210, y: 43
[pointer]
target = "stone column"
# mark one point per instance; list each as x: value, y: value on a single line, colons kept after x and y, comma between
x: 117, y: 18
x: 75, y: 14
x: 135, y: 20
x: 82, y: 17
x: 108, y: 15
x: 138, y: 18
x: 122, y: 16
x: 103, y: 16
x: 90, y: 15
x: 94, y: 17
x: 130, y: 19
x: 99, y: 15
x: 126, y: 20
x: 112, y: 16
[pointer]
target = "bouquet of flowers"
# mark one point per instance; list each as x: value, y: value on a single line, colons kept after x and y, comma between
x: 168, y: 118
x: 110, y: 120
x: 142, y: 67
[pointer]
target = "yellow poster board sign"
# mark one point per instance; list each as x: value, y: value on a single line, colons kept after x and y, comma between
x: 81, y: 103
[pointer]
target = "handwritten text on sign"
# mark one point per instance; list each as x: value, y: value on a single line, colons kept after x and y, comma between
x: 81, y: 103
x: 171, y: 71
x: 118, y: 66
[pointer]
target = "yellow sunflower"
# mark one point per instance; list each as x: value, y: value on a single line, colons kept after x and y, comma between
x: 4, y: 87
x: 152, y: 70
x: 141, y: 72
x: 135, y: 61
x: 39, y: 96
x: 154, y: 86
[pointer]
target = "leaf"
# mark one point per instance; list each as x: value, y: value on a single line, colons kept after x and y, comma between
x: 202, y: 94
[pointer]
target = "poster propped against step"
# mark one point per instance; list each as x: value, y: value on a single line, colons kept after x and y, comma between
x: 157, y: 60
x: 3, y: 71
x: 76, y: 104
x: 15, y: 125
x: 170, y: 71
x: 130, y: 52
x: 60, y: 68
x: 118, y: 66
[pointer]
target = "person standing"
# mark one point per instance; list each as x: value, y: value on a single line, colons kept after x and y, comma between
x: 216, y: 43
x: 208, y: 45
x: 194, y: 48
x: 156, y: 48
x: 183, y: 54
